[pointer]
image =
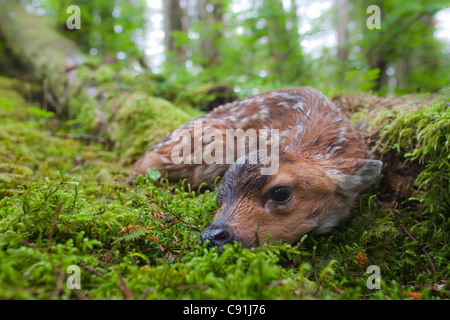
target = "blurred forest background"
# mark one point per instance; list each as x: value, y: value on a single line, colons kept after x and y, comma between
x: 257, y: 45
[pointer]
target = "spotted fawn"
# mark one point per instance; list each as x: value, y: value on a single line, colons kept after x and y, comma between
x: 320, y: 169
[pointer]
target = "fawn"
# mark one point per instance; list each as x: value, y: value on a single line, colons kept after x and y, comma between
x: 320, y: 169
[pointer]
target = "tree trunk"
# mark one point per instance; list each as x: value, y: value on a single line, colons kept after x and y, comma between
x: 294, y: 16
x: 97, y: 99
x: 210, y: 13
x: 382, y: 80
x: 173, y: 17
x: 283, y: 41
x: 49, y: 56
x: 341, y: 30
x: 214, y: 51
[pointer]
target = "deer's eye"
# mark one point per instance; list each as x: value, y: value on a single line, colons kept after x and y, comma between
x: 281, y: 194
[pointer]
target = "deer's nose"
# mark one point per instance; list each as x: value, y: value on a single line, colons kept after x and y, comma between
x: 217, y: 236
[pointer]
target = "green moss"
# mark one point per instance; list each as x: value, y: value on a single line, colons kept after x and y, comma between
x: 12, y: 99
x: 423, y: 137
x: 142, y: 121
x: 66, y: 203
x: 197, y: 96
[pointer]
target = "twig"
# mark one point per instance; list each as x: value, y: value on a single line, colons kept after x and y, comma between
x: 59, y: 282
x: 76, y: 195
x: 145, y: 293
x: 52, y: 229
x: 32, y: 245
x: 126, y: 291
x: 87, y: 137
x: 164, y: 204
x: 423, y: 248
x: 72, y: 170
x: 276, y: 284
x: 90, y: 270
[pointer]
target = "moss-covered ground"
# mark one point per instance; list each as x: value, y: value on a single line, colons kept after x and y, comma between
x: 68, y: 202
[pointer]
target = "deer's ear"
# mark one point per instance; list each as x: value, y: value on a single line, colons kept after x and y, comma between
x: 359, y: 174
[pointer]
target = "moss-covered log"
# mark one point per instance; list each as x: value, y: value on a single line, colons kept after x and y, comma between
x: 95, y: 97
x: 411, y: 135
x: 49, y: 56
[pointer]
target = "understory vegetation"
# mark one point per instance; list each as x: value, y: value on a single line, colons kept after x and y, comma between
x: 67, y: 201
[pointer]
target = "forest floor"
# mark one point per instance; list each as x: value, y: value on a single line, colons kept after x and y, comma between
x: 69, y: 207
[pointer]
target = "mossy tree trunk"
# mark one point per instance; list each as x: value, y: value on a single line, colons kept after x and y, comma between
x: 96, y: 98
x: 50, y: 57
